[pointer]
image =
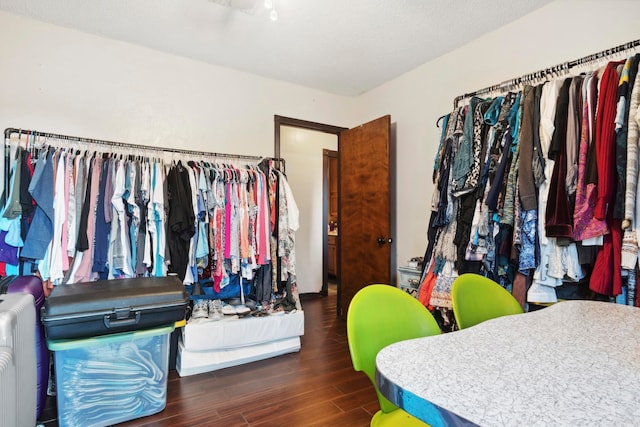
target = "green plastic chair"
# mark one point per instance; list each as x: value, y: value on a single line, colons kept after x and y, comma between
x: 380, y: 315
x: 476, y: 298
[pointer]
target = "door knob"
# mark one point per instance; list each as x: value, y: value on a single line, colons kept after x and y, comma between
x: 382, y: 240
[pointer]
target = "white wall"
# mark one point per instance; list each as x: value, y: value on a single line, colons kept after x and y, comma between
x: 559, y: 32
x: 303, y: 150
x: 64, y: 81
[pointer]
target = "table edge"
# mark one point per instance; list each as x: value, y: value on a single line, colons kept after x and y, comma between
x: 434, y: 415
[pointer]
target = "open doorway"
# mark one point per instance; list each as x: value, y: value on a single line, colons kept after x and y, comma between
x: 303, y: 145
x: 330, y: 202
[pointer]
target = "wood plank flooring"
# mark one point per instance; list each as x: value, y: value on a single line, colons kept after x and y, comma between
x: 314, y: 387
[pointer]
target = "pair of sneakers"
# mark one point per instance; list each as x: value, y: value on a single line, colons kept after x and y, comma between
x: 207, y: 309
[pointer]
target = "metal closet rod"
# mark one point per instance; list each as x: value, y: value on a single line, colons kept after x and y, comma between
x: 560, y: 68
x: 9, y: 131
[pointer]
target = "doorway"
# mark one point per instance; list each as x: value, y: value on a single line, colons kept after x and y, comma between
x: 303, y: 144
x: 330, y: 202
x: 366, y: 211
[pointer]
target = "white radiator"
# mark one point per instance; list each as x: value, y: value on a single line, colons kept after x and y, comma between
x: 7, y: 387
x: 17, y: 332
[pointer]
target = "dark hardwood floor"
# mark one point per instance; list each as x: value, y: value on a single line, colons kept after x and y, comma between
x: 314, y: 387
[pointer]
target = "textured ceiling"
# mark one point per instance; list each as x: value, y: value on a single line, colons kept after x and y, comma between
x: 344, y: 47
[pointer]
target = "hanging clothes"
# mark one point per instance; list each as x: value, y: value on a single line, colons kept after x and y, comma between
x: 42, y: 190
x: 98, y: 215
x: 288, y: 224
x: 630, y: 205
x: 586, y: 225
x: 557, y: 218
x: 181, y: 219
x: 607, y: 275
x: 539, y: 186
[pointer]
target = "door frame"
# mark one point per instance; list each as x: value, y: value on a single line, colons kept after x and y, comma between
x: 320, y: 127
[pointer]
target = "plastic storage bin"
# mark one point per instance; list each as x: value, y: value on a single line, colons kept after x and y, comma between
x: 110, y: 379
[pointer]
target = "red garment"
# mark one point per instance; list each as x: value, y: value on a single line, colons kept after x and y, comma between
x: 606, y: 278
x: 426, y: 288
x: 605, y: 140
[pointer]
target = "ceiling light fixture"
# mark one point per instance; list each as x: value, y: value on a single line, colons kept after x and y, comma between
x: 271, y: 5
x: 250, y: 7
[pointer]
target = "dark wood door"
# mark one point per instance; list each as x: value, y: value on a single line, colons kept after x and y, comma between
x: 364, y: 211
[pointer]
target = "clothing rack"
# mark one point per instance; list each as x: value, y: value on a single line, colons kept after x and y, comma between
x: 28, y: 133
x: 559, y: 69
x: 12, y: 131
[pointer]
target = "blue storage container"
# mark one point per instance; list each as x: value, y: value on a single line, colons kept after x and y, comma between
x: 110, y: 379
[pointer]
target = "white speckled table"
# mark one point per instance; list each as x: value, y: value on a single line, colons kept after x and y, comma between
x: 576, y: 363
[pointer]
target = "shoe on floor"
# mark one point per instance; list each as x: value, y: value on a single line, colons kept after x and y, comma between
x: 228, y: 309
x: 215, y: 309
x: 200, y: 310
x: 242, y: 309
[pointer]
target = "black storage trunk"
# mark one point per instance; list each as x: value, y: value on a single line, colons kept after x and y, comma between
x: 103, y: 307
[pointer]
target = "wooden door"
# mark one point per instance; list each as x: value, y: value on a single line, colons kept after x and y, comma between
x: 364, y: 211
